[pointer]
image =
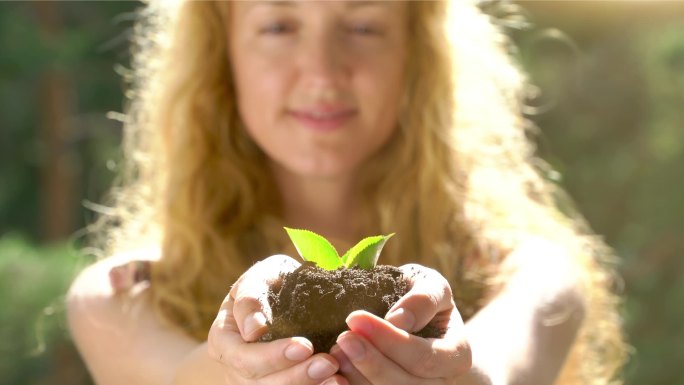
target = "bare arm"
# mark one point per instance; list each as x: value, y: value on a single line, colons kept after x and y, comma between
x: 521, y: 337
x: 525, y: 333
x: 121, y: 340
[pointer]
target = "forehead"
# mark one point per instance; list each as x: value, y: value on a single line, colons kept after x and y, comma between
x: 243, y: 7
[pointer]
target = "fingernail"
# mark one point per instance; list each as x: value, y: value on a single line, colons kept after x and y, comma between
x: 320, y: 369
x: 402, y: 318
x: 360, y: 325
x: 297, y: 352
x: 352, y: 347
x: 254, y: 322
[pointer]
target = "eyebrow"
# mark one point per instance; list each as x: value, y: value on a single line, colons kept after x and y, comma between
x: 357, y: 4
x: 275, y: 3
x: 350, y: 4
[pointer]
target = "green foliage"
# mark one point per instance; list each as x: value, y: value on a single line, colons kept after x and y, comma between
x: 315, y: 248
x: 365, y: 254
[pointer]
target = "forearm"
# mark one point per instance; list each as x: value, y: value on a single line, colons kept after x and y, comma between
x: 198, y: 368
x: 525, y: 333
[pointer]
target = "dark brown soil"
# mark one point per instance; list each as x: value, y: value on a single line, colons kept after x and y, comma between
x: 314, y: 303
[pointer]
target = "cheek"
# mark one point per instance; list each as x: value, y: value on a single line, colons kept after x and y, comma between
x: 260, y: 92
x: 382, y: 95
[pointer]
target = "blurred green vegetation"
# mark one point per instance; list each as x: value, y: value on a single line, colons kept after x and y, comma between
x: 35, y: 346
x: 612, y: 121
x: 610, y: 113
x: 57, y: 82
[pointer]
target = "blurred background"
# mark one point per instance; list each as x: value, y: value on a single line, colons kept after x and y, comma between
x: 610, y: 112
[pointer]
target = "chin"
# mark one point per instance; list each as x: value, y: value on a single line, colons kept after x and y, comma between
x: 324, y: 166
x: 324, y: 171
x: 324, y: 174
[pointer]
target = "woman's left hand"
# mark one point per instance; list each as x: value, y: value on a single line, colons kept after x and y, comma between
x: 382, y: 351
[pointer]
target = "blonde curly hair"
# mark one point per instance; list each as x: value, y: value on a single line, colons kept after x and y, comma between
x: 458, y: 182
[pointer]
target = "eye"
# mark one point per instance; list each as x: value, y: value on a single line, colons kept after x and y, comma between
x: 363, y: 29
x: 276, y: 29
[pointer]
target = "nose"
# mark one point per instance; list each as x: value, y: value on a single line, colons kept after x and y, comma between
x: 322, y: 62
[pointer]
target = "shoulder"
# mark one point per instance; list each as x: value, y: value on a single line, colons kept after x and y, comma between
x: 538, y: 253
x: 546, y: 267
x: 118, y: 335
x: 95, y: 294
x: 97, y: 319
x: 549, y: 273
x: 92, y: 296
x: 96, y: 312
x: 91, y: 293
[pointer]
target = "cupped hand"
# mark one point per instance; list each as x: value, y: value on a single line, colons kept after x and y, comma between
x: 382, y: 351
x: 242, y: 320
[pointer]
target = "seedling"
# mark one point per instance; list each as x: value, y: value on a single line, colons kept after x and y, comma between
x: 315, y: 248
x: 314, y: 300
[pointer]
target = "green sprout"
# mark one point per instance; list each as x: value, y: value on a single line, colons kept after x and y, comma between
x: 315, y: 248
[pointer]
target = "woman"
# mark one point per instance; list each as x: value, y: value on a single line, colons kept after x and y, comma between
x: 348, y: 119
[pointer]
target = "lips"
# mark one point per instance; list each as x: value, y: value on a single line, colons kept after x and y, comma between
x: 324, y: 118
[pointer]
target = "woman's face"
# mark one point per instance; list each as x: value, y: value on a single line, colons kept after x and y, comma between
x: 319, y: 83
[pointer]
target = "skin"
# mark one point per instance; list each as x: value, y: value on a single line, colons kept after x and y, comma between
x: 291, y: 56
x: 375, y: 350
x: 123, y: 342
x: 288, y: 56
x: 318, y: 56
x: 510, y: 339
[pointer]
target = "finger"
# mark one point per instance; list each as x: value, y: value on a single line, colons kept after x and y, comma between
x: 422, y: 357
x: 347, y: 368
x: 252, y: 360
x: 429, y: 299
x: 250, y: 293
x: 377, y: 368
x: 320, y: 368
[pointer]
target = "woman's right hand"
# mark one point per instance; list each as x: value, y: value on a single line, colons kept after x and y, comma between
x: 242, y: 320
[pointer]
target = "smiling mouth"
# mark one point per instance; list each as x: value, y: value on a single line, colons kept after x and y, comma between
x: 323, y: 120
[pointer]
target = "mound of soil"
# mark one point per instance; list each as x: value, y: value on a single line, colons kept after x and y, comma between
x: 312, y: 302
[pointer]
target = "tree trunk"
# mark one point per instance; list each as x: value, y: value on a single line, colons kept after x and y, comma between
x: 58, y: 173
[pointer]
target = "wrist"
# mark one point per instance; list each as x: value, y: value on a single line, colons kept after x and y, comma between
x: 477, y: 375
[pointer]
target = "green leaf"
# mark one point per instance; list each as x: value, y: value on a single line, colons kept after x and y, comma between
x: 314, y: 248
x: 365, y: 253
